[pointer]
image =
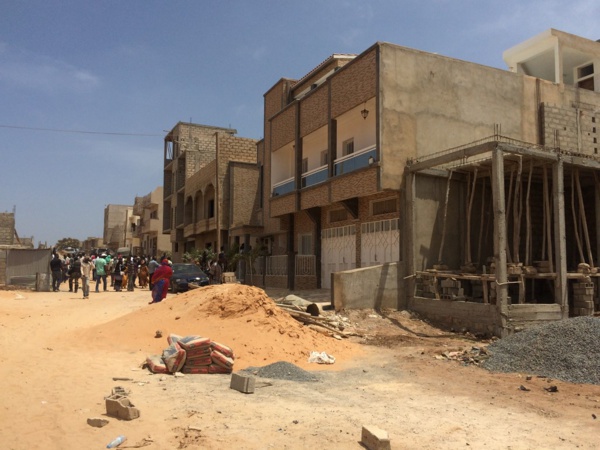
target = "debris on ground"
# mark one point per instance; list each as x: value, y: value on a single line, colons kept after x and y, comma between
x: 473, y: 356
x: 192, y: 355
x: 282, y: 370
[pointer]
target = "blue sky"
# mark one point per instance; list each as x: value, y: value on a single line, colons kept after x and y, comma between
x: 126, y: 71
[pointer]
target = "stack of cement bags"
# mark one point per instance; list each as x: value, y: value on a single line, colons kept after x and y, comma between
x: 192, y: 354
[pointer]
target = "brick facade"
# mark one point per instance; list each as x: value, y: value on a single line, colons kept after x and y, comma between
x: 7, y: 228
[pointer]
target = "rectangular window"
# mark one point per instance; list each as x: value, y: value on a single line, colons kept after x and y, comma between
x: 304, y: 165
x: 338, y: 215
x: 387, y: 206
x: 324, y: 157
x: 348, y: 147
x: 305, y: 244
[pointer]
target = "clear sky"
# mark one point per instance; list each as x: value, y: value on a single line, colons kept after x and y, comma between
x: 126, y: 71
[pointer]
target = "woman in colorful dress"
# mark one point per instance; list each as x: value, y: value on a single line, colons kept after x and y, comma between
x: 160, y: 281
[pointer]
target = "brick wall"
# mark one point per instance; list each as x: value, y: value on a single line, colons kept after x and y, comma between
x: 354, y: 84
x: 7, y: 228
x: 314, y: 110
x: 574, y: 135
x: 277, y: 97
x: 354, y: 184
x: 283, y: 128
x: 244, y: 194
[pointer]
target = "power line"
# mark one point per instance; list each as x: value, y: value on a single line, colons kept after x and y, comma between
x: 56, y: 130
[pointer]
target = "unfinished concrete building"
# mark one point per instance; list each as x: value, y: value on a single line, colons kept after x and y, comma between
x: 463, y: 192
x: 502, y: 232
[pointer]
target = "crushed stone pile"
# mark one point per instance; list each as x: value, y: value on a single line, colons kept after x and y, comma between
x: 566, y: 350
x: 282, y: 370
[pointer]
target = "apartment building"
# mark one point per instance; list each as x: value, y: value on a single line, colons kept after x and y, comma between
x: 207, y: 171
x: 149, y: 209
x: 445, y: 170
x: 120, y: 224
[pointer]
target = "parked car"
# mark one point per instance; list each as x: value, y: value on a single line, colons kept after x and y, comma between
x: 183, y: 274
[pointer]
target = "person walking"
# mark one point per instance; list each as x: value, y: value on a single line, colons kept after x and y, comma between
x: 118, y: 271
x: 100, y: 263
x: 56, y: 269
x: 74, y: 274
x: 86, y: 274
x: 152, y: 266
x: 161, y: 280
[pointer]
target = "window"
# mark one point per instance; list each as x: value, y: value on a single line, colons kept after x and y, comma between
x: 348, y: 147
x: 305, y: 244
x: 387, y: 206
x: 584, y: 76
x: 154, y: 215
x: 324, y: 157
x: 211, y: 209
x: 304, y: 165
x: 338, y: 215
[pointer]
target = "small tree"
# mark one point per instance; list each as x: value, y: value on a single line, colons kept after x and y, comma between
x: 68, y: 242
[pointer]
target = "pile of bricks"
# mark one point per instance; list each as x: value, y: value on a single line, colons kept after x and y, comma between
x: 583, y: 298
x: 425, y: 285
x: 451, y: 289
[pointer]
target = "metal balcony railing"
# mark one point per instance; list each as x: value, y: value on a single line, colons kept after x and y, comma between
x: 284, y: 187
x: 354, y: 161
x: 316, y: 176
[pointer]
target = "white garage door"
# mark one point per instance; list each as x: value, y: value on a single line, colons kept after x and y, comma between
x: 380, y: 242
x: 338, y: 252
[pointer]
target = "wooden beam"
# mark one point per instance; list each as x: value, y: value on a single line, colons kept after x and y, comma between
x: 560, y: 239
x: 500, y: 239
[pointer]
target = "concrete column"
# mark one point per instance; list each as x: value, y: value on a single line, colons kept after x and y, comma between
x: 560, y: 239
x: 409, y: 239
x: 500, y: 238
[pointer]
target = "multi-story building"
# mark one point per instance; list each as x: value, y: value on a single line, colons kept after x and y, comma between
x: 446, y: 169
x: 204, y: 169
x: 120, y: 225
x: 152, y: 240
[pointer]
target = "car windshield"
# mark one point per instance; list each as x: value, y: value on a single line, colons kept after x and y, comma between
x: 187, y: 269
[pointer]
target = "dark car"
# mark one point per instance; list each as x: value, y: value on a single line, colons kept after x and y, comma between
x: 183, y: 274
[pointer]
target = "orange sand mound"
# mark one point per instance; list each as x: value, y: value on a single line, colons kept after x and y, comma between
x: 241, y: 317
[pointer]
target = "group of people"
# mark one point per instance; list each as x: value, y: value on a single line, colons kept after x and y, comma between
x: 123, y: 272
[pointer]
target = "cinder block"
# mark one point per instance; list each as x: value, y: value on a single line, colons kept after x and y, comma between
x: 374, y: 438
x: 242, y: 383
x: 121, y: 407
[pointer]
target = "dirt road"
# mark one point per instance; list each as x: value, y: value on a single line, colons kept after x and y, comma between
x: 59, y: 354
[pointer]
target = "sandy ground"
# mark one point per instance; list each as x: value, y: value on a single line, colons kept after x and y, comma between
x: 59, y: 354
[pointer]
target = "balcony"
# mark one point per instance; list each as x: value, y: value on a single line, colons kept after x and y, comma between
x: 284, y: 187
x: 315, y: 176
x: 205, y: 225
x: 354, y: 161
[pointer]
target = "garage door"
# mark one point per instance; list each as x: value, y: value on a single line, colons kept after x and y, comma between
x: 338, y: 252
x: 380, y: 242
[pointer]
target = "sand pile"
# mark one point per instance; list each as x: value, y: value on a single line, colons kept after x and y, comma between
x: 242, y: 317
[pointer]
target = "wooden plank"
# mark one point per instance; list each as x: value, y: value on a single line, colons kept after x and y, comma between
x: 451, y: 156
x: 499, y: 233
x: 560, y: 239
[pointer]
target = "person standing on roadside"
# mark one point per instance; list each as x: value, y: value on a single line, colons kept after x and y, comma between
x: 86, y: 274
x: 74, y: 274
x: 100, y: 263
x: 152, y: 266
x: 56, y: 269
x: 162, y: 277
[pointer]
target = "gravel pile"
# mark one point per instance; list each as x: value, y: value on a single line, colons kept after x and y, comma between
x: 282, y: 370
x: 567, y: 350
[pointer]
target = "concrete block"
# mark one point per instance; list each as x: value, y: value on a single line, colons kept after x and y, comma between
x: 242, y: 383
x: 374, y: 438
x: 120, y: 406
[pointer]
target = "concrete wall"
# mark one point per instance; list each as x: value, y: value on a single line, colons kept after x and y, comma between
x: 7, y: 228
x: 429, y: 103
x: 458, y: 315
x: 369, y: 287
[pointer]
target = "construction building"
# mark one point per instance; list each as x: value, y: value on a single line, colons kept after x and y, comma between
x: 208, y: 172
x: 120, y: 225
x: 152, y: 240
x: 463, y: 192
